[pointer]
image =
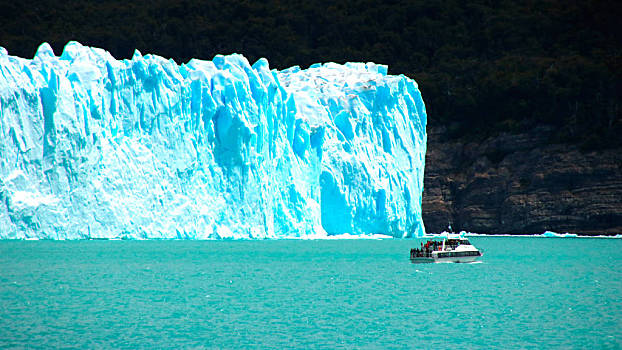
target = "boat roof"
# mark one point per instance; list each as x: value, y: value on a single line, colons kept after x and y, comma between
x: 445, y: 235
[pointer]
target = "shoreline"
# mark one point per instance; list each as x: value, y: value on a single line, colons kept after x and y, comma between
x: 346, y: 237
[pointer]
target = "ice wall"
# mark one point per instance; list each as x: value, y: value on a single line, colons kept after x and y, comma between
x: 93, y: 147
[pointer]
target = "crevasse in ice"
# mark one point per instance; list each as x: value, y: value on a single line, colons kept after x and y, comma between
x: 94, y: 147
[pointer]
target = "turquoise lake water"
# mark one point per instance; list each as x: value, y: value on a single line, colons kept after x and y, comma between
x: 526, y: 293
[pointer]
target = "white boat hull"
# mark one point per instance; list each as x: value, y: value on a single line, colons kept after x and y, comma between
x: 461, y: 259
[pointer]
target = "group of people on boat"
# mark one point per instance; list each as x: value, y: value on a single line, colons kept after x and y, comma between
x: 426, y: 250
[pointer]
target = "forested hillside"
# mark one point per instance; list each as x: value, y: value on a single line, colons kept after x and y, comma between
x: 483, y: 66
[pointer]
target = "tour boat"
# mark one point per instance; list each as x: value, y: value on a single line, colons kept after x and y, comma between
x: 450, y: 249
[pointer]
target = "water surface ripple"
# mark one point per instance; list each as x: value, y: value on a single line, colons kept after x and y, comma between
x: 526, y: 293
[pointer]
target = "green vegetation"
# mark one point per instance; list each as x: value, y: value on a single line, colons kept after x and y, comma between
x: 483, y: 66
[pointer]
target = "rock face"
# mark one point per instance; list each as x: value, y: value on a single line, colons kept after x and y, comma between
x: 94, y: 147
x: 521, y: 184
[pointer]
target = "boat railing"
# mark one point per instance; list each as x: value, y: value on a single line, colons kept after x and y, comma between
x: 418, y: 253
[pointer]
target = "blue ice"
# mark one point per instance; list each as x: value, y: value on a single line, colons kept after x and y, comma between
x: 94, y: 147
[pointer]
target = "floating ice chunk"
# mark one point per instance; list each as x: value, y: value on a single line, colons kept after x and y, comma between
x: 558, y: 235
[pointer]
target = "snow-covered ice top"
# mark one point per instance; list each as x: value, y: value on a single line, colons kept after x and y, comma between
x: 94, y: 147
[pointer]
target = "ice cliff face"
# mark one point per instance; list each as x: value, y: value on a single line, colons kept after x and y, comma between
x: 92, y: 147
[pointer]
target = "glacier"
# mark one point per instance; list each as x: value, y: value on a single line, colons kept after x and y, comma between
x: 92, y: 147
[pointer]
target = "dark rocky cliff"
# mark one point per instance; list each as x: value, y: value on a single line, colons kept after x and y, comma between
x: 521, y: 183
